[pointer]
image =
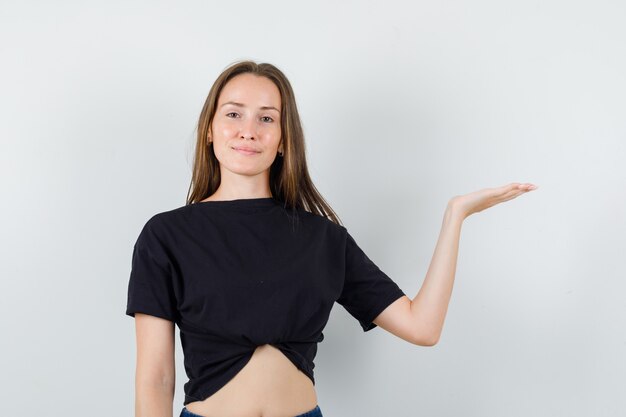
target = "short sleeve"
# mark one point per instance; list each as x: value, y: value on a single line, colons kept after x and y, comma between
x: 150, y: 287
x: 367, y: 290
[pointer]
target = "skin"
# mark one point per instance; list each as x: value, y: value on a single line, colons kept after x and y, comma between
x: 420, y: 320
x: 246, y: 176
x: 270, y: 385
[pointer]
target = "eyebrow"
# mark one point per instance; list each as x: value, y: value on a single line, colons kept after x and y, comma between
x: 241, y: 105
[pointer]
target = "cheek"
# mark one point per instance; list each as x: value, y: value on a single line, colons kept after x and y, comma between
x: 272, y: 134
x: 225, y: 129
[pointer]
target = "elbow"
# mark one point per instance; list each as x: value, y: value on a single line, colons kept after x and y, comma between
x: 427, y: 340
x: 433, y: 341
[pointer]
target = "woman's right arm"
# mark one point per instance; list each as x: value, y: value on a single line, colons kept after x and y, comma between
x: 155, y: 377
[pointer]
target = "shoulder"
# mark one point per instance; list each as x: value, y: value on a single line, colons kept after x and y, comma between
x: 162, y: 226
x: 323, y: 224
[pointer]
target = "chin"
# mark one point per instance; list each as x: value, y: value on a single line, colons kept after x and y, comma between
x: 247, y: 169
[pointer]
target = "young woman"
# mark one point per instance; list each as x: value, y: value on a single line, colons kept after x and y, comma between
x: 250, y: 268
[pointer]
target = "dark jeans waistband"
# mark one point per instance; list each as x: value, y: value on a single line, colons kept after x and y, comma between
x: 316, y: 412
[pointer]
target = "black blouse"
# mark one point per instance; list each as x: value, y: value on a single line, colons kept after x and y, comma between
x: 237, y: 274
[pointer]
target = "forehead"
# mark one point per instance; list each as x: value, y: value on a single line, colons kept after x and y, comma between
x: 251, y: 90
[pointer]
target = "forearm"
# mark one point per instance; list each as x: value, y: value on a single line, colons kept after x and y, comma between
x: 153, y: 400
x: 430, y: 305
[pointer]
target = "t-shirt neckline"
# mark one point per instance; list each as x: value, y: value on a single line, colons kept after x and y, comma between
x: 240, y: 202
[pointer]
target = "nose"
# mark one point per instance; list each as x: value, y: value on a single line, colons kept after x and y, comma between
x: 248, y: 129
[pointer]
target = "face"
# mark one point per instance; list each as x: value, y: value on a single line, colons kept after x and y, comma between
x: 246, y: 131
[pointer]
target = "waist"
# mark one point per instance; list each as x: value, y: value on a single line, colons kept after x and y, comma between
x: 268, y: 385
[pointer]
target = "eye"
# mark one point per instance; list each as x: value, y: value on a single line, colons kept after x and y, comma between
x: 232, y: 112
x: 267, y: 117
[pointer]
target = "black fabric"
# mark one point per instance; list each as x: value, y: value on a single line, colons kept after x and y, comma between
x: 237, y: 274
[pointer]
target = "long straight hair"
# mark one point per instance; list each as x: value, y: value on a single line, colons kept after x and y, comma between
x: 290, y: 182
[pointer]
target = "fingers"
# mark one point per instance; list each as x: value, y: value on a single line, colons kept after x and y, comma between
x: 526, y: 186
x: 510, y: 189
x: 510, y: 194
x: 516, y: 189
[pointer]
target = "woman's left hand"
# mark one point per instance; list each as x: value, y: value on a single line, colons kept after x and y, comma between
x: 477, y: 201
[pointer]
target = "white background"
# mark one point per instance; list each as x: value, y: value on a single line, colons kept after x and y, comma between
x: 404, y: 104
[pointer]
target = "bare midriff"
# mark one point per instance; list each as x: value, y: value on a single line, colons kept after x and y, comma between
x: 269, y: 385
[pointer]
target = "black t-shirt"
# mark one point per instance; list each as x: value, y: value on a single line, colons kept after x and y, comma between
x: 237, y: 274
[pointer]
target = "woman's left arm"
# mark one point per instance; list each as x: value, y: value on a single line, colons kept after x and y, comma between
x: 430, y: 305
x: 420, y: 320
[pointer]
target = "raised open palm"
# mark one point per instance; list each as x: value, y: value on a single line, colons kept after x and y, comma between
x: 477, y: 201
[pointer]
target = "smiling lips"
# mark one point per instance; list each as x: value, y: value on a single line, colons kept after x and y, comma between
x: 246, y: 150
